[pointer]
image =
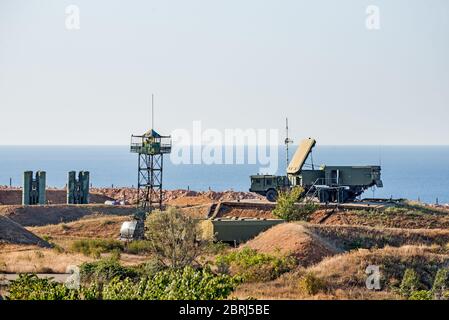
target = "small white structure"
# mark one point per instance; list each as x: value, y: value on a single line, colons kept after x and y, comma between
x: 127, y: 230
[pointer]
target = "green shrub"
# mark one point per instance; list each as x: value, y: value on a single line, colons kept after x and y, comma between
x: 421, y: 295
x: 172, y: 284
x: 309, y: 284
x: 253, y: 266
x: 105, y: 270
x: 150, y: 268
x: 174, y: 238
x: 410, y: 283
x: 440, y: 283
x: 187, y: 284
x: 215, y: 248
x: 94, y: 247
x: 287, y: 209
x: 30, y: 287
x: 138, y: 247
x: 118, y: 289
x: 91, y: 291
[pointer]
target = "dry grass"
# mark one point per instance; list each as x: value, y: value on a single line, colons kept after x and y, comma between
x: 355, y: 237
x: 286, y: 288
x: 410, y: 217
x: 87, y: 227
x: 348, y: 270
x: 19, y: 259
x: 344, y: 274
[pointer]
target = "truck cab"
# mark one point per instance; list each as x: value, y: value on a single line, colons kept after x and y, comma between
x: 269, y: 185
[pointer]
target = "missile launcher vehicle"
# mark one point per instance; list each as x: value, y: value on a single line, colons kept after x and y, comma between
x: 328, y: 183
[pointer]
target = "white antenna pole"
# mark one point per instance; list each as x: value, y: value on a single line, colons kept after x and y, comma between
x: 380, y: 156
x: 287, y: 141
x: 152, y: 111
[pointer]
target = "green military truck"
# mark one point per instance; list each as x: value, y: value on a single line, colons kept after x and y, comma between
x: 328, y: 183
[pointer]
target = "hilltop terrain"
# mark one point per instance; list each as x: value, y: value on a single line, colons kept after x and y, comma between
x: 333, y: 248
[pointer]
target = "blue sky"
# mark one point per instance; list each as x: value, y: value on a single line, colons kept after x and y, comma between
x: 231, y: 64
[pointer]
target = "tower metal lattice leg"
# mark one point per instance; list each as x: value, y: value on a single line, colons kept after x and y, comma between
x: 150, y: 182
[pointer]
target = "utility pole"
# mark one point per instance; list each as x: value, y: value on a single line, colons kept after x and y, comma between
x: 287, y: 141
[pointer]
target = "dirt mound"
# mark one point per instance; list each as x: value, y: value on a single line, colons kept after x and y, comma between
x: 197, y: 212
x: 13, y: 196
x: 28, y: 216
x: 389, y: 219
x: 12, y: 232
x: 294, y: 239
x: 88, y: 227
x: 246, y: 213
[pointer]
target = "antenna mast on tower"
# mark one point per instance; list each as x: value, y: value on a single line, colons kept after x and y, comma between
x: 152, y: 111
x: 287, y: 141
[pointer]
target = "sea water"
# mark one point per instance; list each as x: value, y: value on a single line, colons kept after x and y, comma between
x: 413, y: 172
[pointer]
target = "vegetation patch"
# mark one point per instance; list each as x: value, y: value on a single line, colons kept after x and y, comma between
x: 174, y: 238
x: 356, y: 237
x: 413, y: 289
x: 30, y: 287
x: 254, y: 266
x: 94, y: 247
x: 138, y: 247
x: 309, y: 284
x: 105, y: 270
x: 171, y: 284
x: 288, y: 209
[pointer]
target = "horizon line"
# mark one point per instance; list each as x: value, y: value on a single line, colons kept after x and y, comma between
x: 227, y: 145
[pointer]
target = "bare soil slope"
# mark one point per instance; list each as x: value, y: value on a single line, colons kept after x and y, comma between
x: 12, y: 232
x: 28, y: 216
x: 107, y: 227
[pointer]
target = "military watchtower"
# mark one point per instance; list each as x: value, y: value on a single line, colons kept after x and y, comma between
x: 150, y: 147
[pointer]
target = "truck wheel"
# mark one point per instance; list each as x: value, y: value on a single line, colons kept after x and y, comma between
x: 272, y: 195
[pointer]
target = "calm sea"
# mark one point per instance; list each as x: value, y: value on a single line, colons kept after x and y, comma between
x: 413, y: 172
